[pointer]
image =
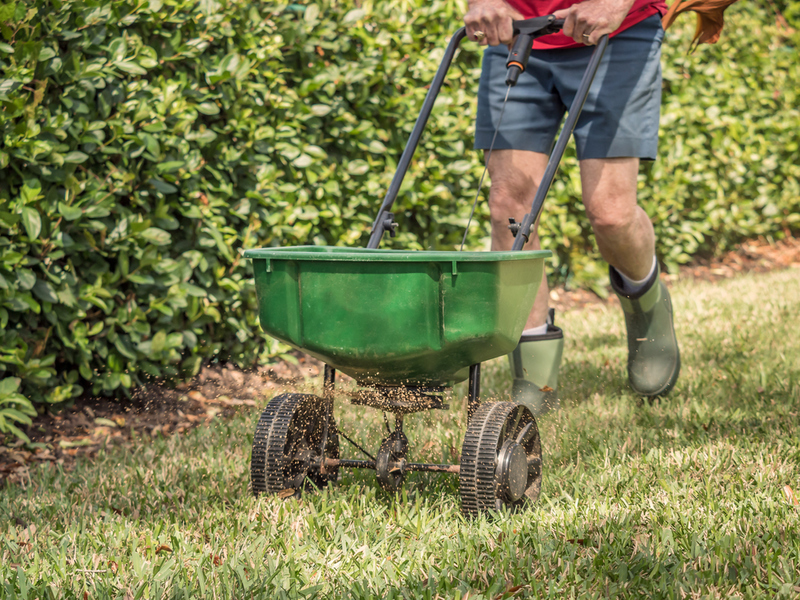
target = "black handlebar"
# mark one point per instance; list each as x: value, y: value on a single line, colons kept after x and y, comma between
x: 561, y: 144
x: 527, y: 31
x: 381, y: 224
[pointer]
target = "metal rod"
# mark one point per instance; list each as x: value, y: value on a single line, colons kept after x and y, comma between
x: 332, y: 463
x: 344, y: 435
x: 413, y: 140
x: 474, y: 391
x: 561, y: 144
x: 432, y: 468
x: 386, y: 422
x: 328, y: 381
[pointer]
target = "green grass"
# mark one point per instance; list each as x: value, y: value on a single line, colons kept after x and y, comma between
x: 681, y: 498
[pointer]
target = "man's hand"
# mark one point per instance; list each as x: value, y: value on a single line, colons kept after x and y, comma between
x: 491, y: 21
x: 588, y: 21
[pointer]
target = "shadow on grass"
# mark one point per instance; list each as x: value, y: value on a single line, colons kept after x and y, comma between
x: 602, y: 340
x: 591, y: 566
x: 580, y: 380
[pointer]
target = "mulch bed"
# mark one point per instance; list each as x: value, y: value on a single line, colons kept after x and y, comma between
x: 89, y: 424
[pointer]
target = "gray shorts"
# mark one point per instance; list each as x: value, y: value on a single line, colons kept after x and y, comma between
x: 620, y: 117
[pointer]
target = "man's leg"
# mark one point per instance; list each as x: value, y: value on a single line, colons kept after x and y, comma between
x: 623, y: 230
x: 626, y: 240
x: 515, y: 178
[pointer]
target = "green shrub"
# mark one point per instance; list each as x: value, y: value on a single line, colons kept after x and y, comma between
x: 15, y: 409
x: 146, y: 144
x: 730, y: 159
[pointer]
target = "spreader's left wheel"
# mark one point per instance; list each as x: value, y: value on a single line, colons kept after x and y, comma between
x: 501, y: 460
x: 288, y: 443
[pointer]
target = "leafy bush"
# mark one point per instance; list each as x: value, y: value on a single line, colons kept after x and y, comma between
x: 146, y: 144
x: 15, y: 409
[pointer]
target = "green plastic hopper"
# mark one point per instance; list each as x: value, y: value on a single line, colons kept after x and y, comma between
x: 392, y: 317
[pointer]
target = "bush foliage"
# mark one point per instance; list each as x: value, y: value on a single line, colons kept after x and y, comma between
x: 146, y: 144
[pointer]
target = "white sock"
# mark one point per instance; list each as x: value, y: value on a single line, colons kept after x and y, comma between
x: 540, y: 330
x: 632, y: 286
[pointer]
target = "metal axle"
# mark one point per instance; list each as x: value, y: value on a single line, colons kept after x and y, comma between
x: 332, y: 463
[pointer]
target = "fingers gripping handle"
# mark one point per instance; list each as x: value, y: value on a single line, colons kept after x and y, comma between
x: 527, y: 31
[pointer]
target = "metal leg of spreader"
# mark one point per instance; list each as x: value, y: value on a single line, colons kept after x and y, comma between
x: 328, y: 382
x: 474, y: 391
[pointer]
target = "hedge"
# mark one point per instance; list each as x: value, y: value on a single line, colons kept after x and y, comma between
x: 146, y: 144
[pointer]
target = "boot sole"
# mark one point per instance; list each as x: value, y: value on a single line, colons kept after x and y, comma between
x: 668, y: 386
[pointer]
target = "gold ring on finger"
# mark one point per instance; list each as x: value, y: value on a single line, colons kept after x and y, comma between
x: 479, y: 35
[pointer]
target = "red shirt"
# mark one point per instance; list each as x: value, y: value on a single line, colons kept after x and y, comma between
x: 640, y: 10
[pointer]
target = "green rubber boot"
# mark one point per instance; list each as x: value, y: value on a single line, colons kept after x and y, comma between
x: 534, y: 364
x: 654, y: 360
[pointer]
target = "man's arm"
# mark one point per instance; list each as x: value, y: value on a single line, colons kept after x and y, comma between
x: 586, y: 22
x: 493, y: 18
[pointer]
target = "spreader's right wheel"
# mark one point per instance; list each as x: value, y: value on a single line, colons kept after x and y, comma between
x: 501, y: 460
x: 288, y: 445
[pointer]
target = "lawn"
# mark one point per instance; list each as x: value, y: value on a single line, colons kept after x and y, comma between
x: 687, y: 497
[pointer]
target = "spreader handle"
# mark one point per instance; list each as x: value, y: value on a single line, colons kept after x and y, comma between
x: 379, y: 226
x: 575, y: 109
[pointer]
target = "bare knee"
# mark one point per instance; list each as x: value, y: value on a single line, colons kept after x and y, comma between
x: 609, y: 195
x: 509, y: 199
x: 611, y: 223
x: 512, y: 191
x: 624, y: 237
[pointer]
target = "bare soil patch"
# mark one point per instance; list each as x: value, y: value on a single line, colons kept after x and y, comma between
x: 89, y: 424
x: 81, y: 429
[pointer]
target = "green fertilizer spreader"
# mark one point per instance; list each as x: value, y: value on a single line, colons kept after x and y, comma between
x: 390, y: 317
x: 406, y: 326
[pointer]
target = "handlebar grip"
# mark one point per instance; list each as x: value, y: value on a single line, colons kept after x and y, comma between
x: 527, y: 31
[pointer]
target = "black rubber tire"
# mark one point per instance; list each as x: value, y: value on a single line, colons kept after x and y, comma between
x: 291, y: 424
x: 491, y: 425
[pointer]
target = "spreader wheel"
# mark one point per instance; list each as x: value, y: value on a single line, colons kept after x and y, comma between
x: 287, y: 445
x: 501, y: 460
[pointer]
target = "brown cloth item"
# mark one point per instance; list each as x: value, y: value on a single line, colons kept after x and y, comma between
x: 709, y: 18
